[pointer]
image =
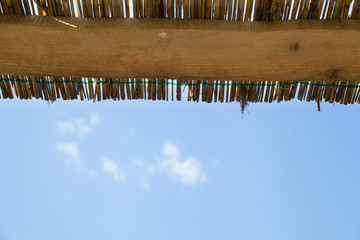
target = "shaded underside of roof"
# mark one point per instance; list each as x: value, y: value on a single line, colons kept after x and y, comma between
x: 230, y: 10
x: 51, y: 88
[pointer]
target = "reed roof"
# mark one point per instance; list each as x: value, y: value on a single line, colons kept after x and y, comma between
x: 51, y: 88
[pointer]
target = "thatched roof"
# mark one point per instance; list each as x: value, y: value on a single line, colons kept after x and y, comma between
x: 49, y: 87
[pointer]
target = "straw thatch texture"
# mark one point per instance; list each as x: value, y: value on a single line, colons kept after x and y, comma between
x: 51, y: 88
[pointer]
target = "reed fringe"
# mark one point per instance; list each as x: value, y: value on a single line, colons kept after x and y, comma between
x: 97, y: 89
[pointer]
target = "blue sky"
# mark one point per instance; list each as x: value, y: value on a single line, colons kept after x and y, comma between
x: 178, y: 170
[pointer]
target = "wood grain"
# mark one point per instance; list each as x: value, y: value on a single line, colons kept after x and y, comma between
x: 307, y: 50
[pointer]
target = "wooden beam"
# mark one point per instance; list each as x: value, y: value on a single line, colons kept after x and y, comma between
x: 306, y: 50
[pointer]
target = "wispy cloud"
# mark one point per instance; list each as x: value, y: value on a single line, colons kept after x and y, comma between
x: 94, y: 118
x: 139, y: 163
x: 188, y: 171
x: 111, y: 167
x: 65, y: 127
x: 71, y: 150
x: 144, y: 183
x: 79, y: 126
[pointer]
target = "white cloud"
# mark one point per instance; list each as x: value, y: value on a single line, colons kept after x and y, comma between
x: 65, y: 127
x: 150, y: 170
x: 111, y: 167
x: 79, y: 126
x: 144, y: 183
x: 169, y: 150
x: 139, y: 163
x: 71, y: 150
x: 188, y: 171
x: 94, y: 118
